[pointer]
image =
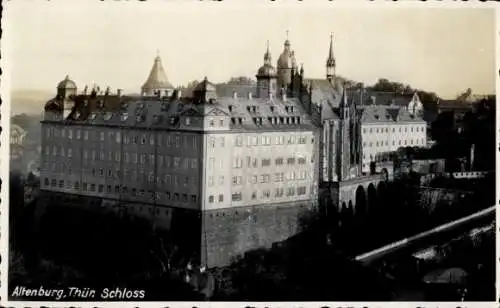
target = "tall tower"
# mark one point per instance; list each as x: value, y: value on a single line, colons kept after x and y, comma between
x: 157, y: 82
x: 330, y: 62
x: 285, y: 65
x: 345, y: 136
x: 66, y: 89
x: 266, y: 77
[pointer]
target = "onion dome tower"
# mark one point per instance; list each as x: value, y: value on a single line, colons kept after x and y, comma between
x: 66, y: 90
x: 266, y: 77
x: 285, y: 66
x: 157, y: 82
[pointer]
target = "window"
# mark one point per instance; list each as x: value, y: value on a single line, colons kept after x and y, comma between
x: 264, y: 178
x: 221, y: 122
x: 221, y: 198
x: 211, y: 162
x: 237, y: 163
x: 238, y: 141
x: 210, y: 181
x: 211, y: 142
x: 254, y: 195
x: 290, y: 160
x: 279, y: 177
x: 188, y: 121
x: 266, y: 194
x: 266, y: 162
x: 194, y: 163
x: 301, y: 161
x: 301, y: 190
x: 221, y: 180
x: 101, y: 136
x: 236, y: 180
x: 290, y: 191
x: 236, y: 197
x: 177, y: 161
x: 278, y: 192
x: 193, y: 198
x: 279, y: 161
x: 253, y: 179
x: 211, y: 123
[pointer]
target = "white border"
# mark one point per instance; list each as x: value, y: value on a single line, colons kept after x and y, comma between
x: 289, y: 4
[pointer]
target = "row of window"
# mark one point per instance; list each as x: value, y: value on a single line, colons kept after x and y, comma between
x: 117, y: 137
x: 255, y: 140
x: 386, y: 129
x: 265, y: 194
x: 123, y: 190
x: 265, y: 162
x: 400, y: 142
x: 263, y: 178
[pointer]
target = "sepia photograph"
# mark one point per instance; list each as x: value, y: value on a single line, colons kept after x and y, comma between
x: 169, y: 152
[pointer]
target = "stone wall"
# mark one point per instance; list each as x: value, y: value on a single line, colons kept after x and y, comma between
x: 230, y: 233
x: 213, y: 238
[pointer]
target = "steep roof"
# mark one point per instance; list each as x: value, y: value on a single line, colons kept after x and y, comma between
x: 373, y: 114
x: 245, y: 114
x: 157, y: 77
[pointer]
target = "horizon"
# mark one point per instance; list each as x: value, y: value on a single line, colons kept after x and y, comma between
x: 444, y: 51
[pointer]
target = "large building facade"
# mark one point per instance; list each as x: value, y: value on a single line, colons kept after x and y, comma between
x: 214, y: 155
x: 245, y: 165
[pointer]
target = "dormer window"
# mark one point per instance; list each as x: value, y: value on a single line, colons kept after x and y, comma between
x: 108, y: 116
x: 233, y: 121
x: 140, y: 105
x: 298, y: 120
x: 124, y: 116
x: 272, y: 108
x: 376, y: 116
x: 124, y: 105
x: 85, y: 103
x: 93, y: 116
x: 240, y: 121
x: 101, y: 104
x: 286, y: 108
x: 254, y: 109
x: 282, y: 120
x: 249, y: 109
x: 172, y: 120
x: 230, y: 108
x: 138, y: 119
x: 187, y: 121
x: 164, y: 106
x: 77, y: 115
x: 156, y: 119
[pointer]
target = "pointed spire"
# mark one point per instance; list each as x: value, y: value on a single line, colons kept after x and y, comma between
x: 331, y: 58
x: 287, y: 41
x: 267, y: 55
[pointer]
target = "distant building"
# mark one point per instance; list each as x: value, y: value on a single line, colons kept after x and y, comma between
x: 17, y: 134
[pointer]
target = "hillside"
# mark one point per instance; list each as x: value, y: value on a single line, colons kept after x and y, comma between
x: 29, y: 102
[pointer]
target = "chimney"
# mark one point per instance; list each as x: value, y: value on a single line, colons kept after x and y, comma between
x: 119, y: 92
x: 235, y: 94
x: 250, y: 95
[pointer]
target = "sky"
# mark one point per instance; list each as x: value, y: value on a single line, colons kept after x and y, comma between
x: 441, y: 50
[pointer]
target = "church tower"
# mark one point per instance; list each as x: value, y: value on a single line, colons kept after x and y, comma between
x: 285, y: 66
x: 330, y: 62
x: 266, y: 77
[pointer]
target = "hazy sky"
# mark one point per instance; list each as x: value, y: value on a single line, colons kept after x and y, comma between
x: 441, y: 50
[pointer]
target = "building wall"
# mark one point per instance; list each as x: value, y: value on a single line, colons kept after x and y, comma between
x: 386, y: 137
x: 259, y: 168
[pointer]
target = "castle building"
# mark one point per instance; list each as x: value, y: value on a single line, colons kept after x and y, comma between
x: 243, y: 166
x: 234, y: 157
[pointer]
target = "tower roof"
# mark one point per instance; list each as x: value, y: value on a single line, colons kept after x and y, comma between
x: 285, y: 59
x: 331, y: 58
x: 157, y: 78
x: 267, y: 70
x: 66, y: 84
